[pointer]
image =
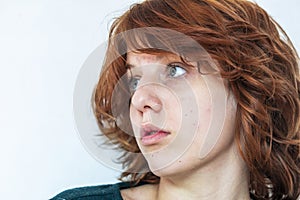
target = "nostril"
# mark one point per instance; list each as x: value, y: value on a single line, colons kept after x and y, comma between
x: 152, y: 103
x: 147, y: 107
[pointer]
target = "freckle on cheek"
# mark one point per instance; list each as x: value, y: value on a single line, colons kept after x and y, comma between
x: 208, y: 109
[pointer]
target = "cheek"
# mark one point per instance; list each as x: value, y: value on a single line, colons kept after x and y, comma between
x: 205, y: 110
x: 173, y: 118
x: 218, y: 133
x: 135, y: 120
x: 216, y: 117
x: 132, y: 114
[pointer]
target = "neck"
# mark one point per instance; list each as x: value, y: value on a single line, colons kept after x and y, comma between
x: 223, y: 179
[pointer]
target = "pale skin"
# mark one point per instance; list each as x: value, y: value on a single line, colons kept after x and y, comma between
x: 221, y: 172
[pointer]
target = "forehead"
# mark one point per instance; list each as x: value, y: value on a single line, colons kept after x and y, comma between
x: 135, y: 58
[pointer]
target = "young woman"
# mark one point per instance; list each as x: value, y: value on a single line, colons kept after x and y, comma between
x: 202, y: 97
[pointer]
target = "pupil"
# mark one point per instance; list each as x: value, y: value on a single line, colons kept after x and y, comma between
x: 134, y: 84
x: 173, y: 71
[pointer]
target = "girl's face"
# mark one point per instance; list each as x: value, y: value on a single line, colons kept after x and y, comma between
x: 181, y: 119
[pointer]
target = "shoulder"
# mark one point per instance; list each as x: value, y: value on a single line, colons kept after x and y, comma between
x: 104, y: 192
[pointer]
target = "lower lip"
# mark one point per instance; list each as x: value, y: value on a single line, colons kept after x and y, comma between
x: 154, y: 139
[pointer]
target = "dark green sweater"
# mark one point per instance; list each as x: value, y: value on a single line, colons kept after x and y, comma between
x: 100, y: 192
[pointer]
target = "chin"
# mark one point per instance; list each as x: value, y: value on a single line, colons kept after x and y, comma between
x: 179, y: 166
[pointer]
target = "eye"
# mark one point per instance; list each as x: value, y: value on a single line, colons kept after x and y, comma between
x: 133, y: 83
x: 175, y: 70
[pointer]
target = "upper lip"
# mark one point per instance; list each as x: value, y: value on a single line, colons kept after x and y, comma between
x: 148, y: 128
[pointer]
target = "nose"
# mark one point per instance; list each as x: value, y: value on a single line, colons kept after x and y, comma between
x: 146, y: 98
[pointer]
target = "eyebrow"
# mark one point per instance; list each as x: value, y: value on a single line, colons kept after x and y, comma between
x: 130, y: 66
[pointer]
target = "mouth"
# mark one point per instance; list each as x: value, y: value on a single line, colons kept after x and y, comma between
x: 151, y: 135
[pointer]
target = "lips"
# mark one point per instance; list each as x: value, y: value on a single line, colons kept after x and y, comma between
x: 151, y: 135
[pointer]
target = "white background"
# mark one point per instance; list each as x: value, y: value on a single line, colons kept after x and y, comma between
x: 42, y: 47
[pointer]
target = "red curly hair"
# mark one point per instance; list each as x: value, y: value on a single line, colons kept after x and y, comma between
x: 258, y: 60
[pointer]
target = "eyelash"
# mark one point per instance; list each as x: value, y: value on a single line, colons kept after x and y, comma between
x: 134, y: 80
x: 179, y: 65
